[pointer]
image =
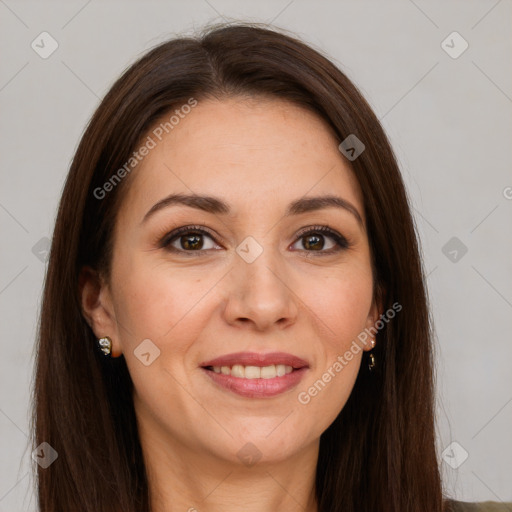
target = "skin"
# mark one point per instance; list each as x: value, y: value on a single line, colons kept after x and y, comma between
x: 258, y: 155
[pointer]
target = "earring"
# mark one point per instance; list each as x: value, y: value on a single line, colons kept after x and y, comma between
x: 105, y: 345
x: 371, y: 357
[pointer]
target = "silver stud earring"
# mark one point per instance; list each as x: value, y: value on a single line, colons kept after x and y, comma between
x: 105, y: 345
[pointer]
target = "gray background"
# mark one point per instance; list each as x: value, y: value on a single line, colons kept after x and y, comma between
x: 449, y: 120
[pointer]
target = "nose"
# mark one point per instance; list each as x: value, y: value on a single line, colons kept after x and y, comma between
x: 261, y: 293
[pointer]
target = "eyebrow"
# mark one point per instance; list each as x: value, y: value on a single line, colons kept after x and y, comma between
x: 217, y: 206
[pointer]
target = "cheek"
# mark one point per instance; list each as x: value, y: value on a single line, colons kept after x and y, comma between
x: 165, y: 306
x: 171, y: 307
x: 341, y: 305
x: 158, y: 303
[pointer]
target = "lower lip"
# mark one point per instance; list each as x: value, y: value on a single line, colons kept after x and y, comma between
x: 257, y: 388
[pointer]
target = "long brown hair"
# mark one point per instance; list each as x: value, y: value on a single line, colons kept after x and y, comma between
x: 379, y: 454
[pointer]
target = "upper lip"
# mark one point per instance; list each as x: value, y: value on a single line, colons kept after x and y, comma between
x: 255, y: 359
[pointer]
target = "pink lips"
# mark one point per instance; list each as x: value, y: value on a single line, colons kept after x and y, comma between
x: 255, y: 359
x: 257, y: 388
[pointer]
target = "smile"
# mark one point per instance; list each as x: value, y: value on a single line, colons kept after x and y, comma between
x: 255, y: 375
x: 254, y: 387
x: 253, y: 372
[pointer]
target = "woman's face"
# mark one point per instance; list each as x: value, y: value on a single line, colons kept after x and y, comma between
x: 252, y: 280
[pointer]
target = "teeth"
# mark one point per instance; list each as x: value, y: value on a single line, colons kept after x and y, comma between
x: 281, y: 370
x: 268, y: 372
x: 238, y: 371
x: 254, y: 372
x: 251, y: 372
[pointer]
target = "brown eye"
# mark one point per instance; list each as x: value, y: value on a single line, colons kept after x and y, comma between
x: 192, y: 241
x: 188, y: 239
x: 314, y: 240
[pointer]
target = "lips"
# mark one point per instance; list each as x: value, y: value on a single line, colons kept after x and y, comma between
x: 256, y: 359
x: 254, y: 375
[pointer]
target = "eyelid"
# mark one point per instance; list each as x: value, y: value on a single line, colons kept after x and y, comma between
x: 342, y: 242
x: 174, y: 233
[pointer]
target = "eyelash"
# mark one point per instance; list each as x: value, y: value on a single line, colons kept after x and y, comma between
x: 342, y: 242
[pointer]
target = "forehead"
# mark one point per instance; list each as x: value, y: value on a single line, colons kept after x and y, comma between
x: 254, y: 152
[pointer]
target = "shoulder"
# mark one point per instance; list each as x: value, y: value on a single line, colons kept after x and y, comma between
x: 484, y: 506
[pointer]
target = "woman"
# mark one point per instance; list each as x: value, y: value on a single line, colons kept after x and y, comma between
x: 235, y: 310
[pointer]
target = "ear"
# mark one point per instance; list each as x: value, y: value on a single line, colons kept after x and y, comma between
x: 97, y: 307
x: 374, y: 315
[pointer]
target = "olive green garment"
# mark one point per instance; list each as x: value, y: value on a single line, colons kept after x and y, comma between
x: 484, y: 506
